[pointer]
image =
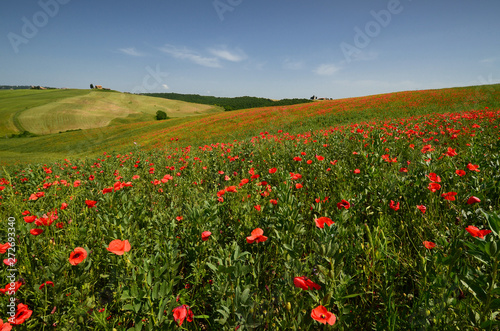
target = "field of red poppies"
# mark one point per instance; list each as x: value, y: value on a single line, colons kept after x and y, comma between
x: 391, y: 223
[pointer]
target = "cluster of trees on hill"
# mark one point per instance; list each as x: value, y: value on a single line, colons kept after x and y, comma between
x: 228, y: 103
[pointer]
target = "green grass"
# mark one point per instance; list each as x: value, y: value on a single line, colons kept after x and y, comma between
x: 53, y: 111
x: 14, y: 102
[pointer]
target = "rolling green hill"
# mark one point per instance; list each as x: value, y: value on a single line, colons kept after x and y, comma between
x: 44, y: 112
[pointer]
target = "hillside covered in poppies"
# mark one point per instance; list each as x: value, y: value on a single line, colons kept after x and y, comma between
x: 380, y: 212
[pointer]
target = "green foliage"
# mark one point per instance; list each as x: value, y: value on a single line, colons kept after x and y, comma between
x: 161, y: 115
x: 229, y: 103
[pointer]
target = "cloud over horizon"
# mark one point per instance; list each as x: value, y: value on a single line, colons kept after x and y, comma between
x: 326, y: 69
x: 131, y: 51
x: 184, y: 53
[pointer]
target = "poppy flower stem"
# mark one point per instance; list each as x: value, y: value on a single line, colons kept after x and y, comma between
x: 494, y: 274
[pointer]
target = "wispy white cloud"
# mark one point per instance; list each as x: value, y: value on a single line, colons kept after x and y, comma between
x: 236, y: 55
x: 184, y: 53
x: 327, y: 69
x: 131, y: 51
x: 489, y: 60
x: 165, y: 86
x: 292, y: 65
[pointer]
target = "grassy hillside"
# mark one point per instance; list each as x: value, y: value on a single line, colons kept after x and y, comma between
x: 53, y: 111
x: 241, y: 124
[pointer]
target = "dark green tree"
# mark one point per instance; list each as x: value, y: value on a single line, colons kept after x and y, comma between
x: 91, y: 86
x: 161, y: 115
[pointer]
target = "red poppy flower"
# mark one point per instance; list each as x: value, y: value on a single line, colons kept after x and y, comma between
x: 422, y: 208
x: 46, y: 283
x: 181, y: 313
x: 179, y: 218
x: 427, y: 148
x: 257, y: 207
x: 343, y: 204
x: 64, y: 205
x: 90, y: 203
x: 205, y: 235
x: 434, y: 178
x: 26, y: 212
x: 357, y: 171
x: 60, y: 225
x: 119, y: 247
x: 5, y: 326
x: 295, y: 176
x: 298, y: 185
x: 4, y: 247
x: 403, y: 170
x: 29, y: 219
x: 231, y: 189
x: 473, y: 167
x: 36, y: 231
x: 449, y: 196
x: 394, y: 206
x: 451, y: 152
x: 320, y: 158
x: 22, y: 314
x: 297, y: 159
x: 475, y: 232
x: 272, y: 170
x: 460, y: 172
x: 11, y: 290
x: 305, y: 283
x: 320, y: 222
x: 433, y: 187
x: 77, y: 256
x: 429, y: 244
x: 322, y: 315
x: 10, y: 261
x: 257, y: 235
x: 309, y: 161
x: 472, y: 200
x: 273, y: 201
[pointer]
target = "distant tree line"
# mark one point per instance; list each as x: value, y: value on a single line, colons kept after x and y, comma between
x: 228, y: 103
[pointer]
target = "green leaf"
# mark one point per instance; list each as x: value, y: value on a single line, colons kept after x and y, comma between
x: 478, y: 292
x: 244, y: 295
x: 161, y: 308
x: 126, y: 295
x: 128, y: 307
x: 495, y: 305
x: 211, y: 266
x: 494, y: 222
x: 352, y: 296
x: 149, y: 279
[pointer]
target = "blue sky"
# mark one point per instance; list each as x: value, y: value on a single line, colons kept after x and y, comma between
x: 275, y: 49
